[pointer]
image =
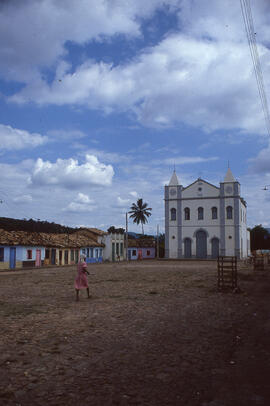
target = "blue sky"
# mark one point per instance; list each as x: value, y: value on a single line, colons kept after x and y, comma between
x: 100, y: 99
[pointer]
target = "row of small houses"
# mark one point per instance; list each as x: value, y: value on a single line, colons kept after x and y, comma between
x: 21, y: 249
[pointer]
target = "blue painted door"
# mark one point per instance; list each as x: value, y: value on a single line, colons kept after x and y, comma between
x: 53, y: 257
x: 215, y: 248
x: 12, y: 258
x: 201, y: 244
x: 187, y: 248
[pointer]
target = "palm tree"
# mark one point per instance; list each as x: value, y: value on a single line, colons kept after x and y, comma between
x: 140, y: 212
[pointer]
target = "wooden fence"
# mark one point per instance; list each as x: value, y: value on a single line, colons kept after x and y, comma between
x: 227, y: 272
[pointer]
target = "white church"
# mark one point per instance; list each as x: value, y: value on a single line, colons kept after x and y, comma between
x: 204, y: 221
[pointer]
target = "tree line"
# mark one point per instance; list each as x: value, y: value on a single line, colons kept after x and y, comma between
x: 10, y: 224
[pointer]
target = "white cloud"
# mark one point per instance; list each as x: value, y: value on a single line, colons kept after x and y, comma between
x: 134, y: 194
x: 33, y: 33
x: 82, y: 198
x: 202, y: 76
x: 15, y: 139
x: 69, y: 173
x: 61, y: 135
x: 122, y: 202
x: 261, y: 163
x: 23, y: 199
x: 112, y: 157
x: 222, y: 21
x: 184, y: 160
x: 78, y: 207
x: 194, y: 81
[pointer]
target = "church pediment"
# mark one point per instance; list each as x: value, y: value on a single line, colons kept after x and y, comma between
x: 200, y: 188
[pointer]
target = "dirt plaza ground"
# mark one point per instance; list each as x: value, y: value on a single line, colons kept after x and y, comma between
x: 152, y: 333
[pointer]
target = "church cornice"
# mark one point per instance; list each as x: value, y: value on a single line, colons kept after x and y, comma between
x: 205, y: 198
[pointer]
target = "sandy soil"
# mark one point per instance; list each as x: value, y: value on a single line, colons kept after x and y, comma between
x: 153, y: 333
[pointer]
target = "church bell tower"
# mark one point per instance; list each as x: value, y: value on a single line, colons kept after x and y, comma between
x: 173, y: 218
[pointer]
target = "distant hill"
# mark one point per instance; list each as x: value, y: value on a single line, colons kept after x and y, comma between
x: 131, y: 234
x: 10, y: 224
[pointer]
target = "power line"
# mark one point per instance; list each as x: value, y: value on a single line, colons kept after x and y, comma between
x: 251, y: 37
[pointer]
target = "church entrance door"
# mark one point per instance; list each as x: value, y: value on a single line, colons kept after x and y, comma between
x: 187, y: 248
x: 215, y: 248
x: 201, y: 244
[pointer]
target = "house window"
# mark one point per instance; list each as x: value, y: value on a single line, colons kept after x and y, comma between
x: 117, y: 248
x: 88, y: 252
x: 72, y: 255
x: 121, y: 248
x: 100, y: 252
x: 29, y: 254
x: 2, y: 250
x: 173, y: 214
x: 47, y: 254
x: 187, y: 213
x: 83, y: 251
x: 214, y: 213
x: 96, y: 252
x: 229, y: 211
x: 133, y: 253
x: 91, y: 252
x: 148, y: 253
x: 200, y: 213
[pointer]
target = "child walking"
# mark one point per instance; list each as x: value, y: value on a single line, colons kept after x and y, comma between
x: 81, y: 281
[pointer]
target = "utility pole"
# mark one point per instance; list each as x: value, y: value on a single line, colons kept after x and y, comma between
x: 157, y: 241
x: 126, y: 236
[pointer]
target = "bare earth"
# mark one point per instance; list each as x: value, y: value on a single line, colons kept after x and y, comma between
x: 153, y: 333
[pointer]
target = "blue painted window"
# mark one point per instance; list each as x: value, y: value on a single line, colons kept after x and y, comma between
x: 187, y: 213
x: 173, y: 214
x: 91, y: 252
x: 214, y: 213
x: 200, y: 213
x: 100, y: 252
x: 229, y: 211
x: 2, y: 252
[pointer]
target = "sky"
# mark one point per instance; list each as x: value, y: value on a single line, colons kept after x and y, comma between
x: 101, y: 99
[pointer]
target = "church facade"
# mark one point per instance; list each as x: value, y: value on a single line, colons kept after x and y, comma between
x: 204, y: 221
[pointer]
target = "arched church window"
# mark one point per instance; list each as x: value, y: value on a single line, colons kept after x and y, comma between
x: 214, y: 213
x: 187, y: 213
x: 173, y: 214
x: 229, y: 212
x: 200, y: 213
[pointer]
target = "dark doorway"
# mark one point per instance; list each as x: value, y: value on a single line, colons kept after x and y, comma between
x: 201, y: 244
x: 187, y: 248
x: 215, y: 247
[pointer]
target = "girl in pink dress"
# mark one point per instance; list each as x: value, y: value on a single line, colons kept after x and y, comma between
x: 81, y: 281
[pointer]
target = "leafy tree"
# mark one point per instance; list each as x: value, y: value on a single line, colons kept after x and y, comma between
x: 139, y: 212
x: 10, y: 224
x: 113, y: 230
x: 259, y: 238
